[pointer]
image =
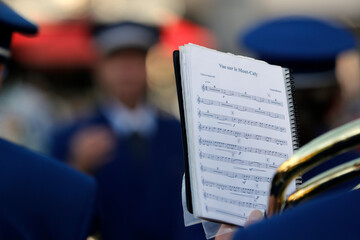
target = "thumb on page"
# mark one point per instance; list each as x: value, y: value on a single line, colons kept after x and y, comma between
x: 255, y: 216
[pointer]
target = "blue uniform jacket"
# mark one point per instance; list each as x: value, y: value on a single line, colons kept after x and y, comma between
x: 332, y: 217
x: 140, y: 188
x: 41, y: 198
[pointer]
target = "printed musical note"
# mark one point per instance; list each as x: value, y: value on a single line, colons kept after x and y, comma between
x: 241, y: 95
x: 240, y: 108
x: 207, y: 142
x: 241, y: 134
x: 237, y: 161
x: 240, y: 121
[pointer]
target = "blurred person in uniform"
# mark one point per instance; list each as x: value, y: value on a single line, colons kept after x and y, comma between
x: 309, y: 46
x: 40, y: 197
x: 26, y: 116
x: 133, y: 150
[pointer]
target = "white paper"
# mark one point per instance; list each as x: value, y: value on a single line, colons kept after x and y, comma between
x: 238, y: 129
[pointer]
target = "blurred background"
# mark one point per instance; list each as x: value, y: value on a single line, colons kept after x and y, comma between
x: 49, y: 79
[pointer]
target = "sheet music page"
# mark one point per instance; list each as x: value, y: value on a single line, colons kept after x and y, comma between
x: 238, y: 131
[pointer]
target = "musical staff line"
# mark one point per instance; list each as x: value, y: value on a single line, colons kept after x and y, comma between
x: 234, y: 188
x: 237, y: 161
x: 241, y: 121
x: 254, y: 198
x: 241, y: 134
x: 234, y: 202
x: 240, y: 108
x: 241, y: 95
x: 243, y: 149
x: 217, y: 210
x: 246, y: 177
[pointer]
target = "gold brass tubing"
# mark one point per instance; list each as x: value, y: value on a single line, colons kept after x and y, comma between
x: 310, y: 155
x: 324, y: 182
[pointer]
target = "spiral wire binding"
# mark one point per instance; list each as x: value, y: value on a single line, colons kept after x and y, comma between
x: 293, y: 113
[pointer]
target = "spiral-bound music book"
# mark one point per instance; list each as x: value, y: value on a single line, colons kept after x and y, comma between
x: 238, y: 126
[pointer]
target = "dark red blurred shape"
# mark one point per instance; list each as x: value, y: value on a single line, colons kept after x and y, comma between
x: 65, y: 45
x: 182, y: 31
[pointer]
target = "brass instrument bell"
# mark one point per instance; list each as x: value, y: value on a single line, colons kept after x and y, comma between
x: 314, y: 153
